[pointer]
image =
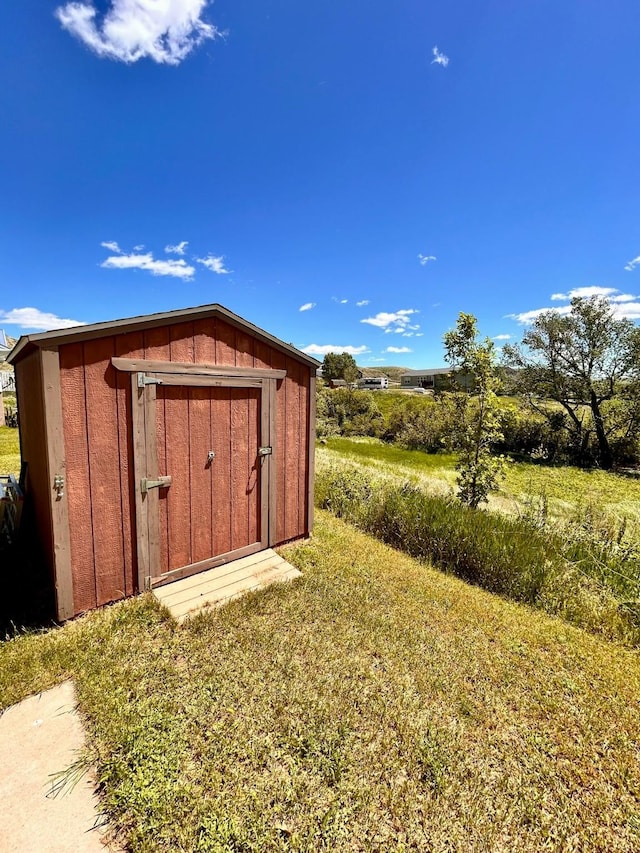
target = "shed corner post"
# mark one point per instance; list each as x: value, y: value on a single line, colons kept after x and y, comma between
x: 60, y: 557
x: 312, y: 452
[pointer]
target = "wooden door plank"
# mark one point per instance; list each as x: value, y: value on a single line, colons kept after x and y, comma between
x: 177, y: 425
x: 200, y: 473
x: 239, y: 469
x: 221, y: 471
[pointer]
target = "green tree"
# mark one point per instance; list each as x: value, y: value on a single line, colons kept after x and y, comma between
x: 581, y: 361
x: 339, y: 366
x: 478, y: 470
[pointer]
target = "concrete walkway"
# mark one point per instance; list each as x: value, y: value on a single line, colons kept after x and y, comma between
x: 40, y: 737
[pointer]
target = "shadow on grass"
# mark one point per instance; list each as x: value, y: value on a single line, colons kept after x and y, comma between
x: 27, y: 600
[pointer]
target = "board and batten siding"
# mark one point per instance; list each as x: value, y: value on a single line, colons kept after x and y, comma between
x: 96, y: 411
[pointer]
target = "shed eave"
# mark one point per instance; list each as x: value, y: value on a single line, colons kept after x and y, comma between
x: 146, y: 321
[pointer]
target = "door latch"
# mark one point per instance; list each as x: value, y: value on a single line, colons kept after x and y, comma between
x: 160, y: 483
x: 58, y: 486
x: 265, y: 451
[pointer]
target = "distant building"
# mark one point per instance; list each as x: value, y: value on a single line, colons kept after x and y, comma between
x: 373, y: 383
x: 6, y: 345
x: 434, y: 379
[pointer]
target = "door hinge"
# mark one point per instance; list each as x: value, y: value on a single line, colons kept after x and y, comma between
x: 143, y: 380
x: 159, y: 483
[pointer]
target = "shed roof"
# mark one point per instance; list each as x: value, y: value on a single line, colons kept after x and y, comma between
x: 27, y: 343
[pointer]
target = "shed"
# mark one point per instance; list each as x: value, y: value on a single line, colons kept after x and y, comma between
x: 161, y: 446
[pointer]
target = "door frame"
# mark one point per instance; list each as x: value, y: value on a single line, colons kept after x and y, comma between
x: 146, y: 375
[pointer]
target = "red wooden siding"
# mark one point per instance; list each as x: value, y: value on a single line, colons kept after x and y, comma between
x: 96, y: 408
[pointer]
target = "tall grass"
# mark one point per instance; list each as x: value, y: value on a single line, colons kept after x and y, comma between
x: 581, y: 577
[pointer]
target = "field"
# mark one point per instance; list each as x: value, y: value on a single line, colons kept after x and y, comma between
x: 9, y: 451
x: 565, y: 490
x: 374, y: 705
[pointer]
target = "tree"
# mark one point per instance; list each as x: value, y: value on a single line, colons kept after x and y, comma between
x: 478, y: 470
x: 339, y: 366
x: 580, y: 360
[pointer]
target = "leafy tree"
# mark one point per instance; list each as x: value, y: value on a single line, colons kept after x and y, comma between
x: 339, y: 366
x: 478, y: 470
x: 581, y: 361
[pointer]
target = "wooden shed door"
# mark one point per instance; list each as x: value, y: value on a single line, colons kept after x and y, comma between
x: 204, y: 494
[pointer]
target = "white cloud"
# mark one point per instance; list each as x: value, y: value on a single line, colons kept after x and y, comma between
x: 527, y: 317
x: 215, y: 264
x: 439, y: 58
x: 623, y: 297
x: 166, y: 31
x: 424, y: 259
x: 623, y: 305
x: 339, y: 301
x: 178, y: 249
x: 583, y: 293
x: 33, y: 318
x: 397, y: 321
x: 323, y: 349
x: 501, y: 337
x: 137, y: 248
x: 111, y: 245
x: 632, y: 264
x: 307, y: 306
x: 398, y: 349
x: 177, y: 269
x: 362, y: 302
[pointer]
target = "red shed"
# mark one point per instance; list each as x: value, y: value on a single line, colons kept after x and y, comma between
x: 161, y: 446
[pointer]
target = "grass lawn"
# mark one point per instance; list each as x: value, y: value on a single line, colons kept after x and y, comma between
x: 566, y: 489
x: 9, y: 451
x: 374, y: 705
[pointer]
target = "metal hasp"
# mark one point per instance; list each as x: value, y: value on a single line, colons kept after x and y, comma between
x: 143, y: 380
x: 211, y: 456
x: 160, y: 483
x: 265, y: 451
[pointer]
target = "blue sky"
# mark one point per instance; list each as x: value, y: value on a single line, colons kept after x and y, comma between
x: 342, y: 174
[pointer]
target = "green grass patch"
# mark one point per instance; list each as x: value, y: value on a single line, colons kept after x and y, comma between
x: 566, y: 491
x: 374, y: 705
x: 9, y: 451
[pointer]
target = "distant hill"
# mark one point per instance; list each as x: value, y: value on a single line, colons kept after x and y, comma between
x: 393, y: 373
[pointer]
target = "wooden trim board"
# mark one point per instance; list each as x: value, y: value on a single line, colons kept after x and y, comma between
x: 56, y: 466
x: 131, y: 365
